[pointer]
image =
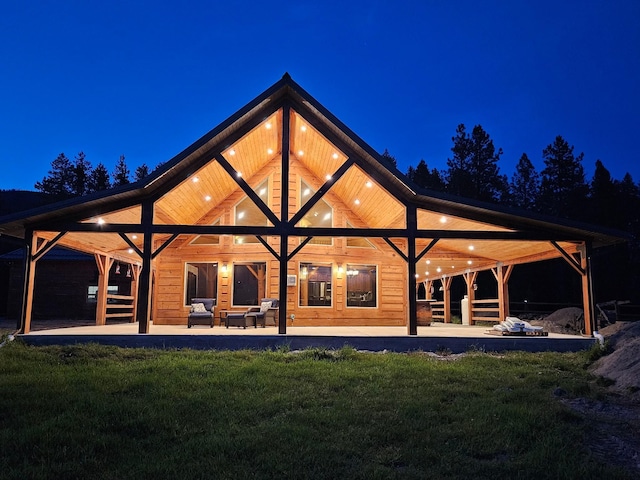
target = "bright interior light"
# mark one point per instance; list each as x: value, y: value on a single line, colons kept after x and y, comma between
x: 327, y: 216
x: 303, y: 128
x: 239, y: 174
x: 428, y: 262
x: 300, y: 153
x: 469, y: 262
x: 240, y: 215
x: 101, y: 221
x: 130, y: 250
x: 232, y: 152
x: 426, y: 273
x: 438, y: 269
x: 268, y: 125
x: 195, y: 179
x: 471, y: 247
x: 335, y: 156
x: 369, y: 184
x: 263, y: 190
x: 269, y: 151
x: 443, y: 219
x: 306, y: 192
x: 208, y: 198
x: 134, y: 236
x: 417, y: 275
x: 356, y: 201
x: 328, y: 177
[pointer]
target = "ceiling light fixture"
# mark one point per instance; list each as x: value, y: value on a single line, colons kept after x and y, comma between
x: 356, y: 201
x: 269, y: 151
x: 335, y: 156
x: 232, y: 152
x: 195, y: 179
x: 443, y: 219
x: 268, y: 125
x: 369, y: 184
x: 207, y: 198
x: 300, y: 153
x: 303, y: 128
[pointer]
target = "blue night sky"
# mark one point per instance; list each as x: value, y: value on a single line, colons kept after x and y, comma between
x: 146, y: 79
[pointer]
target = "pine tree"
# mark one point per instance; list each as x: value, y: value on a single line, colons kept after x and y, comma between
x: 473, y: 170
x: 81, y: 174
x: 99, y: 179
x: 141, y: 172
x: 525, y: 185
x: 59, y: 180
x: 389, y: 158
x: 563, y: 191
x: 121, y: 173
x: 604, y: 198
x: 423, y: 177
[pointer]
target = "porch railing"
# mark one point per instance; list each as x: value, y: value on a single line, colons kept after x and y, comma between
x: 119, y: 306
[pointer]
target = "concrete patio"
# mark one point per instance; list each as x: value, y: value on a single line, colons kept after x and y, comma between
x: 437, y: 337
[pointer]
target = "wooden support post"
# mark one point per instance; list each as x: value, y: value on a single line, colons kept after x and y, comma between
x: 470, y: 280
x: 24, y: 325
x: 135, y: 278
x: 284, y: 219
x: 587, y: 289
x: 502, y: 274
x: 143, y: 310
x: 104, y: 267
x: 428, y: 285
x: 446, y: 284
x: 412, y: 226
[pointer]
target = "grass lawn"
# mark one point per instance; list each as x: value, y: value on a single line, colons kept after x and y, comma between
x: 105, y: 412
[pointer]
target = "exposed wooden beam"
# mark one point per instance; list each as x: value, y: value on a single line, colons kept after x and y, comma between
x: 426, y: 249
x: 570, y: 260
x: 43, y: 249
x: 268, y: 247
x: 298, y: 248
x: 164, y: 245
x: 395, y: 247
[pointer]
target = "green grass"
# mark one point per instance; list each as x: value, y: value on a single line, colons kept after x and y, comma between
x: 104, y: 412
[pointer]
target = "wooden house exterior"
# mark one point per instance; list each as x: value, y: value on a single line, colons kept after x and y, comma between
x: 282, y: 200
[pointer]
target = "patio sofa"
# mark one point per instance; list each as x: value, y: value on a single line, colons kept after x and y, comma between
x: 201, y: 312
x: 265, y: 314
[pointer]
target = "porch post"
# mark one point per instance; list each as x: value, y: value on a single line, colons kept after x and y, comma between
x: 470, y: 280
x: 24, y: 323
x: 502, y: 275
x: 446, y: 284
x: 587, y: 289
x: 104, y: 266
x: 284, y: 220
x: 412, y: 226
x: 144, y: 286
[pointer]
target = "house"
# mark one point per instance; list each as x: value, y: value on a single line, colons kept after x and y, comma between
x: 283, y: 200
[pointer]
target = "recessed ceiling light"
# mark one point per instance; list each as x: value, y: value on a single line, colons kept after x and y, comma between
x: 238, y: 174
x: 300, y: 153
x: 471, y: 247
x: 469, y: 262
x: 263, y: 190
x: 428, y: 262
x: 130, y: 250
x: 101, y: 221
x: 452, y: 266
x: 303, y: 128
x: 328, y: 177
x: 195, y: 179
x: 443, y: 219
x: 335, y: 156
x: 232, y: 152
x: 268, y: 125
x: 438, y: 269
x: 269, y: 151
x: 417, y: 275
x: 356, y: 201
x: 327, y: 216
x: 208, y: 198
x: 240, y: 215
x: 134, y: 237
x: 369, y: 184
x: 306, y: 192
x: 426, y: 273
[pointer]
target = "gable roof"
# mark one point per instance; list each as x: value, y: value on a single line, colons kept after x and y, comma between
x: 322, y: 144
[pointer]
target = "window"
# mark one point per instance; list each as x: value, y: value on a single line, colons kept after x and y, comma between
x: 201, y: 280
x: 321, y: 215
x: 248, y: 213
x: 249, y: 283
x: 358, y: 241
x: 207, y: 239
x: 315, y: 285
x: 361, y: 285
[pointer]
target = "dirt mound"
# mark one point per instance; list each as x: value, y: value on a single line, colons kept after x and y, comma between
x: 623, y: 365
x: 566, y: 320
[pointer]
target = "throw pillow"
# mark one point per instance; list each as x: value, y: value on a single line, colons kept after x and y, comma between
x: 198, y: 308
x: 264, y: 306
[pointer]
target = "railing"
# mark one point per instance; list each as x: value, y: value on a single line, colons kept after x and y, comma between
x: 485, y: 311
x: 437, y: 310
x: 120, y: 306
